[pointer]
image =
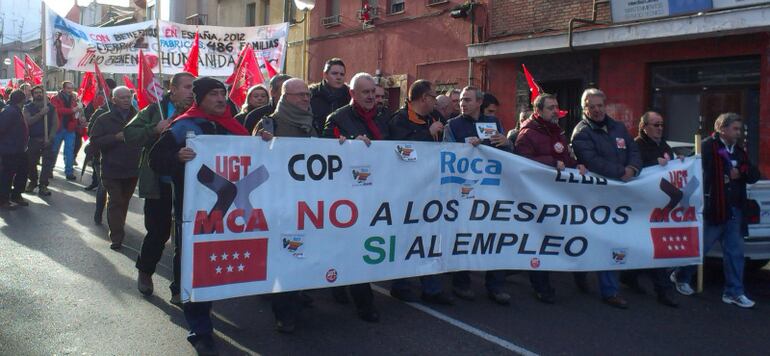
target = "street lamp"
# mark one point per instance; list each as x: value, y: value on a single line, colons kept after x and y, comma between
x: 305, y: 6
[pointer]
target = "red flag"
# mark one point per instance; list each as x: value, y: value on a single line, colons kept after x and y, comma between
x: 102, y: 90
x: 148, y: 89
x: 247, y: 75
x: 34, y: 72
x: 231, y: 78
x: 271, y: 72
x: 128, y: 82
x: 533, y: 87
x: 19, y: 68
x: 675, y: 242
x: 87, y: 88
x: 191, y: 66
x: 227, y: 262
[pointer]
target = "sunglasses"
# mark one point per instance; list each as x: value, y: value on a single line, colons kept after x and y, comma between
x: 657, y: 125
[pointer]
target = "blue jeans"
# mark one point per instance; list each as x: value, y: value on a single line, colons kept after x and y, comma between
x: 729, y: 235
x: 608, y: 283
x: 69, y: 150
x: 431, y: 284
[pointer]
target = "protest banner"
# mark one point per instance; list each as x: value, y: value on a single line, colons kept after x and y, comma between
x: 292, y: 214
x: 116, y: 49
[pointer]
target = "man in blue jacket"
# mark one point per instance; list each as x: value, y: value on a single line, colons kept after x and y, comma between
x: 14, y: 135
x: 466, y: 128
x: 605, y: 147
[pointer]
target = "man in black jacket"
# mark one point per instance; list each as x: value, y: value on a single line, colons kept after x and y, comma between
x: 362, y: 121
x: 726, y: 171
x: 210, y: 115
x: 655, y: 151
x: 417, y: 121
x: 120, y: 161
x: 605, y: 147
x: 13, y: 143
x: 330, y: 94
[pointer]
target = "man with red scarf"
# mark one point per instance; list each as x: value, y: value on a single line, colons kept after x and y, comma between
x: 209, y: 115
x: 726, y: 171
x: 362, y: 121
x: 542, y: 139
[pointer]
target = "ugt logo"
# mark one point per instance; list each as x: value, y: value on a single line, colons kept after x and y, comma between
x: 680, y: 241
x: 484, y: 172
x: 232, y: 183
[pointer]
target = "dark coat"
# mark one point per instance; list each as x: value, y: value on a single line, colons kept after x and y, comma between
x: 119, y: 159
x: 325, y: 100
x: 251, y: 119
x: 346, y: 122
x: 718, y: 189
x: 463, y: 126
x: 14, y: 134
x: 163, y: 155
x: 402, y: 128
x: 605, y: 150
x: 543, y: 143
x: 37, y: 130
x: 651, y: 150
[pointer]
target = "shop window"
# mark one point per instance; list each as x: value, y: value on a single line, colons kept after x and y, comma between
x: 251, y: 14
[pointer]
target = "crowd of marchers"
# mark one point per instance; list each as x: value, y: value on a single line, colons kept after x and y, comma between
x: 127, y: 147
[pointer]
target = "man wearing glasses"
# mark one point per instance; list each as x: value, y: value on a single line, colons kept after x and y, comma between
x: 655, y: 151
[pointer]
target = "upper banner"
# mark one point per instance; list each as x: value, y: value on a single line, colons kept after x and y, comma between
x: 116, y: 49
x: 290, y: 214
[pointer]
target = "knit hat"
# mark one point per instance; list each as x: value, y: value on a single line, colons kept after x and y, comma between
x: 203, y: 86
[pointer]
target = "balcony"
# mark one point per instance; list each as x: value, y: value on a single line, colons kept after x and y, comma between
x: 374, y: 13
x: 197, y: 19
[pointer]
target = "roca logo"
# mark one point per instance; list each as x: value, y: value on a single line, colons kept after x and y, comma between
x: 315, y: 167
x: 482, y: 171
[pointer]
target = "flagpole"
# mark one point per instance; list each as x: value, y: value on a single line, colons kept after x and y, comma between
x: 45, y: 64
x: 160, y: 57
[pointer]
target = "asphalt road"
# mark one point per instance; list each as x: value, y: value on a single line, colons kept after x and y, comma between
x: 64, y: 292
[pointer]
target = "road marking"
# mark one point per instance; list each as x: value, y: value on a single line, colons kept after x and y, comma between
x: 459, y: 324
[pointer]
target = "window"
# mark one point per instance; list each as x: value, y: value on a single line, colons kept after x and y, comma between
x: 265, y: 12
x: 251, y: 14
x: 151, y: 12
x: 333, y: 8
x: 395, y: 6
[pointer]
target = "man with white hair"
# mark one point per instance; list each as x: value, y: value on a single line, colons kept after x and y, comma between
x: 605, y: 147
x: 358, y: 120
x: 444, y: 107
x: 120, y: 161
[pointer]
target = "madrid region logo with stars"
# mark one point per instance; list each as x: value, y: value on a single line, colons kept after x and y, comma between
x: 230, y: 261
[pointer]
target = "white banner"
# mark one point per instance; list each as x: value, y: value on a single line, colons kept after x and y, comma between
x: 291, y: 214
x: 116, y: 49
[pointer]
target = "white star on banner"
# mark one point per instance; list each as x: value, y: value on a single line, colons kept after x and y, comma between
x: 240, y: 267
x: 219, y: 269
x: 235, y: 255
x: 224, y: 256
x: 246, y: 254
x: 213, y: 257
x: 229, y: 268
